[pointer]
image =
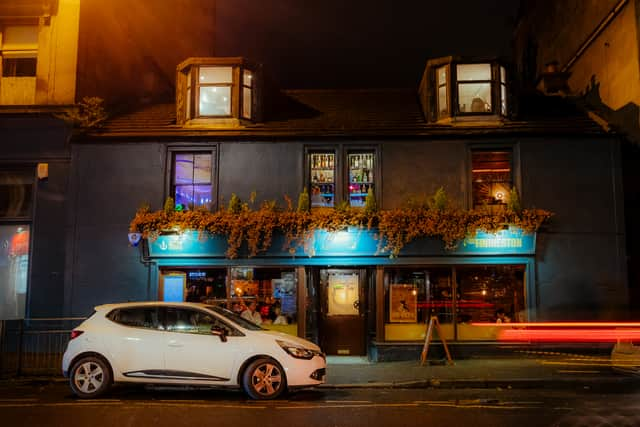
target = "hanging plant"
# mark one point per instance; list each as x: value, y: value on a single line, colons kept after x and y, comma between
x: 395, y: 228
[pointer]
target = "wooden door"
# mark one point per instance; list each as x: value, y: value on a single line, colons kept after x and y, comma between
x: 342, y: 326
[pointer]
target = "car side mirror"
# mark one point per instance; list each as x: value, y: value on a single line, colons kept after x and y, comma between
x: 220, y: 332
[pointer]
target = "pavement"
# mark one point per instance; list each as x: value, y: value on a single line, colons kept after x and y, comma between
x: 528, y: 371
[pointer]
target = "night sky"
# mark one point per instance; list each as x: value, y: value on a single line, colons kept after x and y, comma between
x: 360, y: 44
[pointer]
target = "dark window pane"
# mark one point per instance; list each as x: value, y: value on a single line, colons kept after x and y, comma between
x: 15, y: 193
x: 19, y: 67
x: 137, y: 317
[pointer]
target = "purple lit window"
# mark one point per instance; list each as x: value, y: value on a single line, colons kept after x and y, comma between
x: 192, y: 180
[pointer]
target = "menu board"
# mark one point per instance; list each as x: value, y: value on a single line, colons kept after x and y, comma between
x: 403, y: 303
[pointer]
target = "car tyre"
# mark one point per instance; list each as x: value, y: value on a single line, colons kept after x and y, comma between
x: 90, y: 377
x: 264, y: 379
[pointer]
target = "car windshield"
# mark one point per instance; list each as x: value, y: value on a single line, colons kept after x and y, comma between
x: 238, y: 320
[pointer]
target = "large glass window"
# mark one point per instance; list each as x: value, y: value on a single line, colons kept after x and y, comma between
x: 491, y: 178
x: 14, y: 268
x: 474, y: 88
x: 214, y: 94
x: 269, y: 294
x: 361, y: 177
x: 413, y: 295
x: 192, y: 181
x: 322, y: 170
x: 483, y: 294
x: 489, y: 293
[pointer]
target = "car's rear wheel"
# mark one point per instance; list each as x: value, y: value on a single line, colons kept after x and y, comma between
x: 90, y: 377
x: 264, y: 378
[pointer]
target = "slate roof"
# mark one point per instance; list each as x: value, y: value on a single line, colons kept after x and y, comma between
x: 377, y: 113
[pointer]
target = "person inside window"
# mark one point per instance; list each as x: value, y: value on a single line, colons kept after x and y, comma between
x: 501, y: 316
x: 251, y: 314
x: 279, y: 319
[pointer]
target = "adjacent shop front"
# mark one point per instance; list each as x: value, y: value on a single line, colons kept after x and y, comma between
x: 342, y: 291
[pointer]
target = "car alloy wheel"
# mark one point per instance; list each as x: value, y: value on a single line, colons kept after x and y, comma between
x: 264, y: 379
x: 90, y: 377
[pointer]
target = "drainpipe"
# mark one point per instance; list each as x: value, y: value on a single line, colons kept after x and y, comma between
x: 595, y: 33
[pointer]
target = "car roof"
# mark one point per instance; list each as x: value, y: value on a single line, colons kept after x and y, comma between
x: 108, y: 307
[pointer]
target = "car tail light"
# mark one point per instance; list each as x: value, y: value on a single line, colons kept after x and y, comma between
x: 76, y: 333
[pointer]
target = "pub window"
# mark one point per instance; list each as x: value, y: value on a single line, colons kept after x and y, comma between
x: 217, y: 91
x: 214, y: 86
x: 274, y: 290
x: 361, y: 176
x: 322, y: 179
x: 503, y: 91
x: 474, y: 88
x: 492, y: 178
x: 247, y: 94
x: 442, y: 75
x: 192, y: 180
x: 458, y: 296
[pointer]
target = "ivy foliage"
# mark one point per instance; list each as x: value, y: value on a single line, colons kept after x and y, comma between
x: 254, y: 228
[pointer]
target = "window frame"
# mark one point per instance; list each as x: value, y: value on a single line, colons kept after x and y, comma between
x: 195, y: 84
x: 337, y: 193
x: 362, y: 149
x: 514, y: 148
x: 491, y: 83
x: 341, y: 169
x: 447, y: 85
x: 171, y: 170
x: 251, y: 89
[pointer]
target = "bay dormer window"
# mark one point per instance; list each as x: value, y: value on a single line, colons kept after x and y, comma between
x: 217, y: 92
x: 456, y: 90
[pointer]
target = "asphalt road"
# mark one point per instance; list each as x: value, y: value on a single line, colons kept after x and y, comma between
x: 52, y: 404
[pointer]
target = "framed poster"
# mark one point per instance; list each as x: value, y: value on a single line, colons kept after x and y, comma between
x: 403, y: 303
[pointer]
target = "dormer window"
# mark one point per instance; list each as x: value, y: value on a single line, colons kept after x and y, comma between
x: 456, y: 90
x: 217, y: 91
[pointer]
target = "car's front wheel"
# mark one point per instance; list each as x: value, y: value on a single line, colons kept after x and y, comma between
x: 90, y: 377
x: 264, y: 379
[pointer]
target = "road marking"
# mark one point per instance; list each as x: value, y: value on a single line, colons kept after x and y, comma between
x: 453, y: 405
x: 18, y: 400
x: 371, y: 405
x: 195, y: 405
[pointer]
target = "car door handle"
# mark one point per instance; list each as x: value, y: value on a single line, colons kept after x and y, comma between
x: 175, y: 344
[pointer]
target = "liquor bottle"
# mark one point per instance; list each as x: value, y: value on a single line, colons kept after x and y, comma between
x: 315, y: 177
x: 330, y: 161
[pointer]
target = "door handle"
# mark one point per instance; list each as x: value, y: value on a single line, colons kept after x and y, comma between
x: 356, y: 305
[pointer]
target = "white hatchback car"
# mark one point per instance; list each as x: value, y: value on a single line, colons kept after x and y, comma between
x: 186, y: 344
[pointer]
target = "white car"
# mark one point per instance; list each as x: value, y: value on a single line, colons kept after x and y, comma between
x: 186, y: 344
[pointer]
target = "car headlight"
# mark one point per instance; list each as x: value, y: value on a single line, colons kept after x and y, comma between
x: 297, y: 351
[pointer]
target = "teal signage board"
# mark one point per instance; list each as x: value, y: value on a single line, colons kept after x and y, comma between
x: 352, y: 242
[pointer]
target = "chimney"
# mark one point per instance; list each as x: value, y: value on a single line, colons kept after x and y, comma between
x: 552, y: 81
